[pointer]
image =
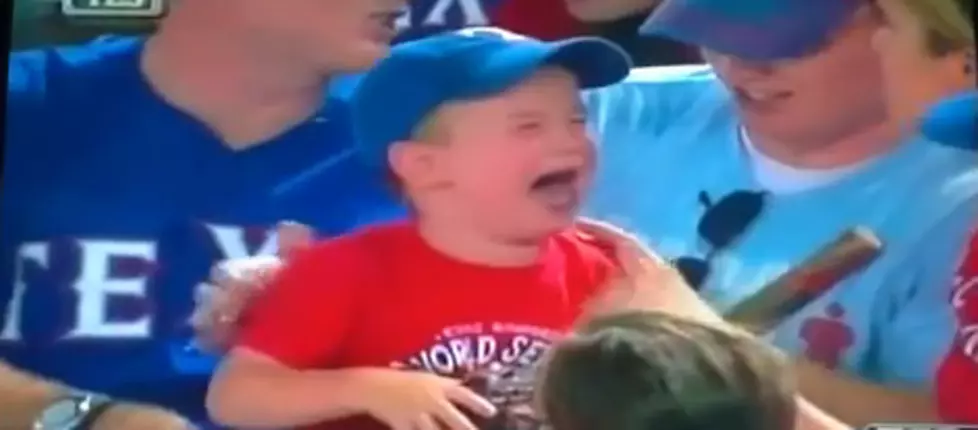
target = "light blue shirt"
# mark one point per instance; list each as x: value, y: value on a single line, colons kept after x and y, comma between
x: 669, y: 134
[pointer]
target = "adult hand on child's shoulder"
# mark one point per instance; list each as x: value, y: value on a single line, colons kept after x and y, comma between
x: 643, y: 281
x: 234, y: 285
x: 407, y: 400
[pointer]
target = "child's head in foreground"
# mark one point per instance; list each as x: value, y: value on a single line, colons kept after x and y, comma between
x: 485, y: 128
x: 649, y: 370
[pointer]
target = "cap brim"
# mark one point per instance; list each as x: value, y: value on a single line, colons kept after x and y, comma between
x: 595, y: 63
x: 789, y: 33
x: 953, y: 121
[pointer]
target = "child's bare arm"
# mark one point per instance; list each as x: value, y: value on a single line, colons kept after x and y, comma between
x: 252, y: 390
x: 298, y: 323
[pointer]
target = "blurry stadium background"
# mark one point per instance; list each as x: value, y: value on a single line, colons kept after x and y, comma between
x: 59, y: 22
x: 74, y: 21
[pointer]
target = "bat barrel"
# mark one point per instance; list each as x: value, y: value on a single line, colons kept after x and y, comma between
x: 852, y: 251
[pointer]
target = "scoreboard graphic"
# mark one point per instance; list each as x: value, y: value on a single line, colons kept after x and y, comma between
x: 113, y: 8
x: 68, y: 22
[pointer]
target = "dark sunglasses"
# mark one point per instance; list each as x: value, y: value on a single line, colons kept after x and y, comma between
x: 722, y: 224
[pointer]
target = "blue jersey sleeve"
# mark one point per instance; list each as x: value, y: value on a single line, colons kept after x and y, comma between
x: 648, y: 102
x: 51, y: 91
x: 25, y: 134
x: 914, y: 321
x: 631, y: 123
x: 25, y: 103
x: 953, y: 121
x: 25, y: 84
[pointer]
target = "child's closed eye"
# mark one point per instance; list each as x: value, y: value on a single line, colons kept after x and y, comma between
x: 529, y: 126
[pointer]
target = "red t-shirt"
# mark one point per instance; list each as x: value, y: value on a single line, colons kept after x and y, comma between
x: 957, y: 379
x: 383, y: 297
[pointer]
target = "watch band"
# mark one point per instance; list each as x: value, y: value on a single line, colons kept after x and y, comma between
x: 100, y: 405
x: 68, y: 411
x: 83, y: 409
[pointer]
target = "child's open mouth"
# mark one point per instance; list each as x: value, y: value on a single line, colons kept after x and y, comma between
x: 558, y: 190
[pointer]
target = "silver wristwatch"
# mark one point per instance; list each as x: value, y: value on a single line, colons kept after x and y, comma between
x: 74, y: 411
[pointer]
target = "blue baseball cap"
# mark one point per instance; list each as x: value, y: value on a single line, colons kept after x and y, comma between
x: 953, y: 121
x: 760, y: 30
x: 419, y: 76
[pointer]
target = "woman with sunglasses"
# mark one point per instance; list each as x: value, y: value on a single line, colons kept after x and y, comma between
x: 928, y: 49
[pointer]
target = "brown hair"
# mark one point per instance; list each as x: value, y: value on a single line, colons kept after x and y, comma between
x: 643, y: 370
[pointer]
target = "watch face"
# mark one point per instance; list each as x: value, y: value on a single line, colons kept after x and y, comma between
x: 62, y: 414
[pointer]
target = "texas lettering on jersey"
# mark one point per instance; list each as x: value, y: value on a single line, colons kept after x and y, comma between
x: 109, y: 289
x: 443, y: 13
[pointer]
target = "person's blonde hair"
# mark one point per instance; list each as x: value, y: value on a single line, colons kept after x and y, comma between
x: 949, y: 25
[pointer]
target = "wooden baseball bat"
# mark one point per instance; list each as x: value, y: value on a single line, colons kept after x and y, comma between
x: 851, y: 252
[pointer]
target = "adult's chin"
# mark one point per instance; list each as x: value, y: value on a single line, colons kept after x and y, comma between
x: 360, y: 57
